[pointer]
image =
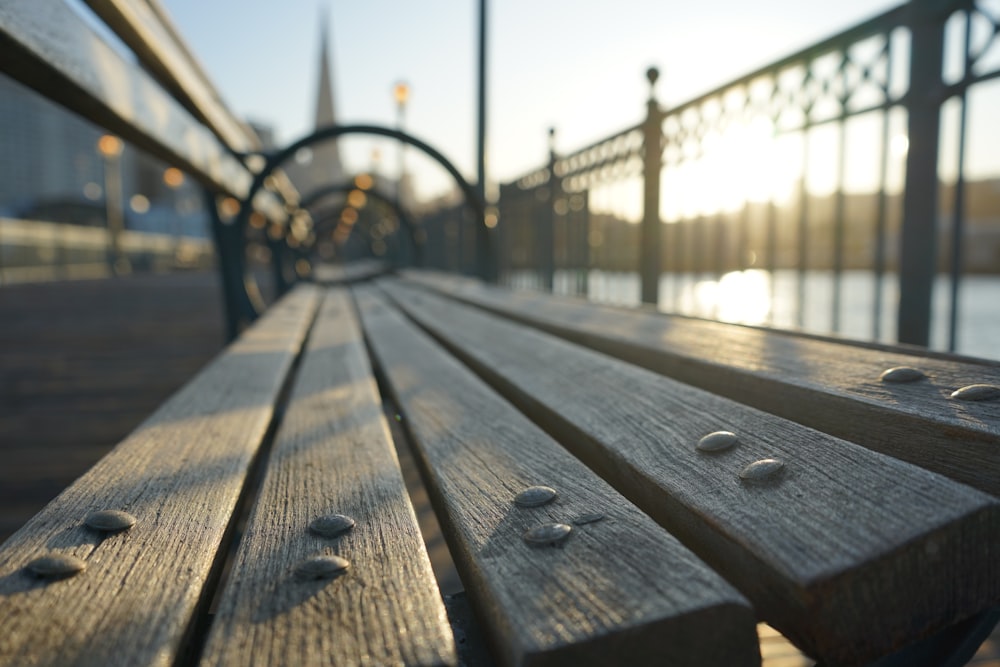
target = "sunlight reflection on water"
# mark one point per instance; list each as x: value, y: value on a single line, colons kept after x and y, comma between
x: 756, y: 297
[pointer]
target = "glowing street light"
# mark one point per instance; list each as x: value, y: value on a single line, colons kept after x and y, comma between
x: 401, y: 92
x: 110, y: 147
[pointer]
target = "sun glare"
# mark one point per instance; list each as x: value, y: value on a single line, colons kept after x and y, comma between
x: 738, y: 296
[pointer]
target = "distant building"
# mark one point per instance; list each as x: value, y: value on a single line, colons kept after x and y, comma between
x: 50, y: 169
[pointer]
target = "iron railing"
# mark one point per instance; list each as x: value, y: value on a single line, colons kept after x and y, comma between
x: 835, y: 158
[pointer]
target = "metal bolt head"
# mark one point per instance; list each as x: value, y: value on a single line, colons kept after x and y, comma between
x: 761, y: 471
x: 977, y: 392
x: 56, y: 566
x: 717, y: 442
x: 534, y: 496
x: 321, y: 567
x: 110, y: 521
x: 548, y: 534
x: 331, y: 525
x: 900, y: 374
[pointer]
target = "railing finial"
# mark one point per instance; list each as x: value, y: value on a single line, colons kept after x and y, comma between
x: 652, y: 74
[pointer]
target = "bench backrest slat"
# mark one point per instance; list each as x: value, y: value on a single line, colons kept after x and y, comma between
x: 824, y: 384
x: 332, y: 455
x: 840, y: 550
x: 147, y: 29
x: 620, y: 590
x: 46, y: 46
x: 161, y: 49
x: 180, y: 473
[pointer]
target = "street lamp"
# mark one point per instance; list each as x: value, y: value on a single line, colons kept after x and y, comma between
x: 110, y: 147
x: 173, y: 178
x: 401, y: 92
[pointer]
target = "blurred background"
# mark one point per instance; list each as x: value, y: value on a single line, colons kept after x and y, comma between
x: 785, y: 132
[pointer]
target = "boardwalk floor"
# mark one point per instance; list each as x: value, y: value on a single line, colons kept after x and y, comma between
x: 82, y: 363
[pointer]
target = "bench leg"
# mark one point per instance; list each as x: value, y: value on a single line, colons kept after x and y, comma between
x: 240, y: 308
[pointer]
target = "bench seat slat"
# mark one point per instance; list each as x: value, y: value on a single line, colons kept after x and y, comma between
x: 46, y: 46
x: 332, y: 454
x: 180, y: 473
x: 848, y: 552
x: 619, y: 591
x: 819, y: 383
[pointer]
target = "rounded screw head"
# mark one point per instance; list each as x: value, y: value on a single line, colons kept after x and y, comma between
x: 534, y: 496
x: 718, y: 441
x: 548, y: 535
x: 900, y: 374
x: 331, y: 525
x: 56, y: 566
x: 110, y: 521
x: 977, y: 392
x: 322, y: 567
x: 763, y: 470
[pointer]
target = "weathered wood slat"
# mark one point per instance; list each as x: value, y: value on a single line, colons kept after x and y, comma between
x: 620, y: 590
x: 138, y: 25
x: 180, y: 473
x: 819, y: 383
x: 332, y: 455
x: 145, y: 27
x: 848, y: 552
x: 46, y: 46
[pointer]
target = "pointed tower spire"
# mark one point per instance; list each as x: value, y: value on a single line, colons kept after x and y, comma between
x: 325, y: 167
x: 324, y: 89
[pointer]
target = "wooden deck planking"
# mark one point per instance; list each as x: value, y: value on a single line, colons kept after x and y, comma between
x: 180, y: 473
x: 82, y: 364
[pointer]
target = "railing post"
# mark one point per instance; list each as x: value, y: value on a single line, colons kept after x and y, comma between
x: 649, y: 252
x: 918, y: 237
x: 548, y: 228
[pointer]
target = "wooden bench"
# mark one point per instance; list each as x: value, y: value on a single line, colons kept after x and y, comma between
x: 654, y: 549
x: 616, y: 487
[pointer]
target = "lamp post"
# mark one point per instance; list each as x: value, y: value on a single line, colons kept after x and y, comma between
x: 401, y: 93
x: 173, y: 178
x: 110, y: 147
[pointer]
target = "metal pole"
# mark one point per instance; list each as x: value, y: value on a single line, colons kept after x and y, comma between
x: 485, y: 260
x: 111, y: 148
x: 918, y: 241
x: 547, y: 229
x: 649, y: 253
x: 958, y: 211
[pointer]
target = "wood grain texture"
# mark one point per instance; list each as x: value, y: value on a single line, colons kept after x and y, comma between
x: 46, y: 46
x: 820, y: 383
x: 180, y: 473
x: 332, y: 455
x: 848, y: 552
x: 619, y: 591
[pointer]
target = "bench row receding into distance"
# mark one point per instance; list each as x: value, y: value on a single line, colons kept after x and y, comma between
x: 849, y: 552
x: 855, y: 515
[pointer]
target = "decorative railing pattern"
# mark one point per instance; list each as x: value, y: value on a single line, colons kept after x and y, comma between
x: 823, y: 162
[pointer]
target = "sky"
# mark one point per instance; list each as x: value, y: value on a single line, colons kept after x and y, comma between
x: 576, y: 65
